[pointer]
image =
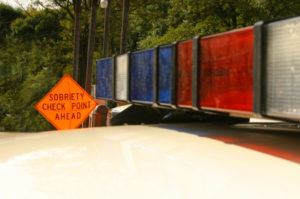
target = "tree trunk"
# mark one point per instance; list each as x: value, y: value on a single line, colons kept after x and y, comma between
x: 91, y: 46
x: 106, y: 29
x: 76, y: 42
x: 124, y: 30
x: 84, y: 37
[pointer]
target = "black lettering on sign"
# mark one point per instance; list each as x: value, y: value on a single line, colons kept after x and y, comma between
x: 54, y: 107
x: 68, y: 116
x: 81, y: 105
x: 66, y: 96
x: 81, y: 95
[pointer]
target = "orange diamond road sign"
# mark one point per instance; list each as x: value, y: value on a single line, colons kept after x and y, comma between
x: 66, y: 105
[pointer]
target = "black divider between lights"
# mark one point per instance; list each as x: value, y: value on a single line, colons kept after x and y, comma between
x: 196, y: 74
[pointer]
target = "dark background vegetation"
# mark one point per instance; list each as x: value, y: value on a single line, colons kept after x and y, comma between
x: 36, y: 44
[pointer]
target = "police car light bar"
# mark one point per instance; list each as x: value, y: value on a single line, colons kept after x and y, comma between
x: 105, y: 78
x: 253, y: 71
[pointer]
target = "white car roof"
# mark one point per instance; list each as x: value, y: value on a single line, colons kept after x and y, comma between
x: 150, y: 161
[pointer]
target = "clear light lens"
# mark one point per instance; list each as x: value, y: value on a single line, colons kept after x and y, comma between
x: 165, y: 65
x: 142, y: 65
x: 104, y: 78
x: 227, y: 71
x: 122, y: 77
x: 282, y: 51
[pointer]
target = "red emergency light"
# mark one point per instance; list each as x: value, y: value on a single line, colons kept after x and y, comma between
x: 187, y: 74
x: 226, y: 72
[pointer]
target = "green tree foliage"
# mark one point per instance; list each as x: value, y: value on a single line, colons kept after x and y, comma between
x: 188, y: 18
x: 32, y: 61
x: 40, y: 25
x: 7, y: 16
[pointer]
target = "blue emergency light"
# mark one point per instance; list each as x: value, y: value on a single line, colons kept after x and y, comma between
x: 143, y: 72
x: 167, y: 75
x: 105, y: 78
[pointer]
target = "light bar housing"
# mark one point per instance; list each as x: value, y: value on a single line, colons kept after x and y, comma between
x: 227, y: 72
x: 143, y: 82
x: 122, y: 81
x: 277, y: 69
x: 105, y: 76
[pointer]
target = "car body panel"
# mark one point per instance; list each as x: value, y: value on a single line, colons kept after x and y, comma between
x: 150, y: 161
